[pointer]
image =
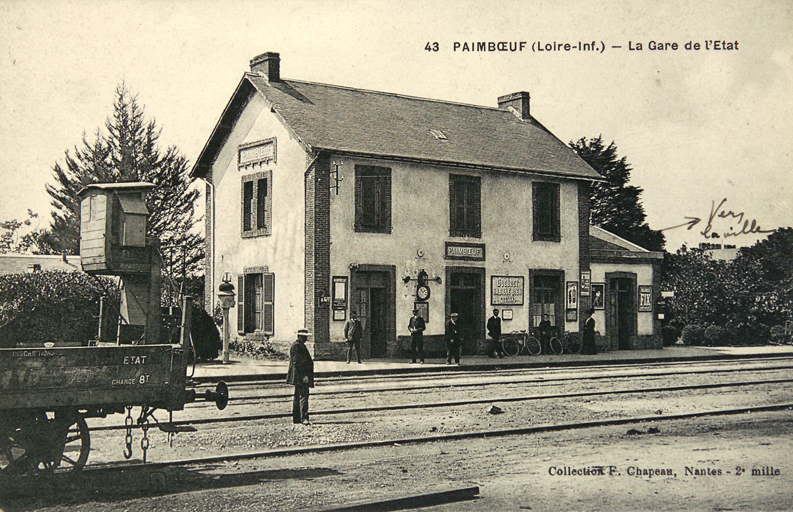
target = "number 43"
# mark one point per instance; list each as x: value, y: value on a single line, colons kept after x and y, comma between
x: 432, y: 47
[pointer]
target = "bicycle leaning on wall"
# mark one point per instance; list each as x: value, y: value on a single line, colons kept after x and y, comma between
x: 518, y: 342
x: 567, y: 342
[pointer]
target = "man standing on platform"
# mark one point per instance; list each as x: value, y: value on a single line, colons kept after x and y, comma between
x: 301, y: 374
x: 353, y: 332
x: 453, y: 340
x: 494, y: 330
x: 416, y: 327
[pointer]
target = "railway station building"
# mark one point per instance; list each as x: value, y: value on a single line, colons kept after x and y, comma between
x: 322, y: 200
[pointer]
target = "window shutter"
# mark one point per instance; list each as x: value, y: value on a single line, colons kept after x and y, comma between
x: 476, y: 207
x: 247, y: 205
x: 386, y: 181
x: 261, y: 203
x: 358, y: 201
x: 268, y: 313
x: 268, y: 208
x: 555, y: 211
x: 452, y: 207
x: 241, y: 303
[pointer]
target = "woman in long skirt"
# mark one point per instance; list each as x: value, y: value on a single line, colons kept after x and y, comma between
x: 588, y: 345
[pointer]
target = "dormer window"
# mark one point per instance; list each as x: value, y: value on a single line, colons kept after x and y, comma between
x: 438, y: 134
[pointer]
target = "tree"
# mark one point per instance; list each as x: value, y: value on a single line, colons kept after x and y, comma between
x: 615, y: 205
x: 129, y: 151
x: 22, y: 237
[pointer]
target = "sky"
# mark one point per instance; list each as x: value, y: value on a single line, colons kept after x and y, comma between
x: 707, y: 132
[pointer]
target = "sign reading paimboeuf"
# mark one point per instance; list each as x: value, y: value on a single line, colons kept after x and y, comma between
x: 463, y: 251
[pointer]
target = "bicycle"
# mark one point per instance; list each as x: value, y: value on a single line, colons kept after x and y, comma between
x: 566, y: 342
x: 520, y: 341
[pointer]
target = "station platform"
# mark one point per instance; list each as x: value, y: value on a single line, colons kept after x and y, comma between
x: 243, y: 369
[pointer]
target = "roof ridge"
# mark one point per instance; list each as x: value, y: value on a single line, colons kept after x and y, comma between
x: 395, y: 94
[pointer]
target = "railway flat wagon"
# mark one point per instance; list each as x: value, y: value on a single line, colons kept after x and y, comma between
x: 47, y: 390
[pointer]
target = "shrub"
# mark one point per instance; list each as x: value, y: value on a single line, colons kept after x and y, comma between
x: 693, y: 334
x: 256, y: 349
x: 56, y: 306
x: 718, y: 336
x: 206, y: 337
x: 752, y: 334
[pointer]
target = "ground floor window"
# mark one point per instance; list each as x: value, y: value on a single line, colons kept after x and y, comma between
x: 255, y: 300
x: 546, y: 292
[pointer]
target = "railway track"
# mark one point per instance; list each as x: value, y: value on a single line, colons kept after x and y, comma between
x: 489, y: 379
x: 463, y: 403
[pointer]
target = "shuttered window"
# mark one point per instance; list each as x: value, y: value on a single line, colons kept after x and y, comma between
x: 545, y: 202
x: 255, y: 303
x: 257, y: 201
x: 372, y: 199
x: 465, y: 206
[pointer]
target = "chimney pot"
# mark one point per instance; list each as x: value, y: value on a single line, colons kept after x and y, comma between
x: 267, y: 64
x: 517, y: 100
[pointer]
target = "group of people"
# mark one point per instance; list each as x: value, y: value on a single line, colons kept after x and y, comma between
x: 301, y: 365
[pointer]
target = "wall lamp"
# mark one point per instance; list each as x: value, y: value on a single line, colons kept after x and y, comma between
x: 422, y: 278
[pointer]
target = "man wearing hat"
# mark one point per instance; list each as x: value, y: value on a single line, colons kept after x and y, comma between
x: 353, y: 332
x: 494, y: 330
x: 453, y: 340
x: 301, y: 374
x: 416, y: 327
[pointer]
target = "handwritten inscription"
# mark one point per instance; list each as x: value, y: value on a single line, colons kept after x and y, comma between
x: 733, y: 224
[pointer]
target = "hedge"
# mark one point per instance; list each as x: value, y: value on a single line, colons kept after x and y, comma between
x: 53, y: 306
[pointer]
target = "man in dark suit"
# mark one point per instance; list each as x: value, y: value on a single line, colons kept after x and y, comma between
x: 416, y: 326
x: 453, y: 340
x: 494, y: 330
x: 353, y: 332
x: 301, y: 374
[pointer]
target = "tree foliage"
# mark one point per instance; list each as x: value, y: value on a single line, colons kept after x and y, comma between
x: 747, y: 296
x: 129, y: 151
x: 22, y: 236
x: 614, y: 204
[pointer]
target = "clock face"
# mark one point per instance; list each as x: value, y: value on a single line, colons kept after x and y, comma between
x: 423, y: 292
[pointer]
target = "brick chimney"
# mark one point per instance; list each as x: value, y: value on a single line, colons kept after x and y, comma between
x: 517, y: 100
x: 267, y: 64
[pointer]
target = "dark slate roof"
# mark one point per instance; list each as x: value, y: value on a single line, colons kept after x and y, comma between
x: 357, y: 121
x: 21, y: 263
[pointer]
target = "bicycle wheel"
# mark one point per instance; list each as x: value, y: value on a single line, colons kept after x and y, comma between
x: 556, y: 345
x: 511, y: 346
x: 573, y: 344
x: 533, y: 346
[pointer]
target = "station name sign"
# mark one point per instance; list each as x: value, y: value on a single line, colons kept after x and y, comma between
x: 462, y: 251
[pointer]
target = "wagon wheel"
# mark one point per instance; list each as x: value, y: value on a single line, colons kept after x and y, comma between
x: 76, y: 440
x: 39, y: 444
x: 22, y: 440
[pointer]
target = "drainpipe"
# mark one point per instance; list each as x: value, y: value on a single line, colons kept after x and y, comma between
x: 212, y: 250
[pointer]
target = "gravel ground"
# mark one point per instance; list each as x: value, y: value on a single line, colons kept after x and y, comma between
x: 505, y: 468
x: 512, y: 473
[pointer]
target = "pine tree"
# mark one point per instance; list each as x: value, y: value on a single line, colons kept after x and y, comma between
x: 129, y: 151
x: 615, y: 205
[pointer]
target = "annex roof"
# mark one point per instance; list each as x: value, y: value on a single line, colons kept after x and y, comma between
x: 605, y: 245
x: 386, y: 125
